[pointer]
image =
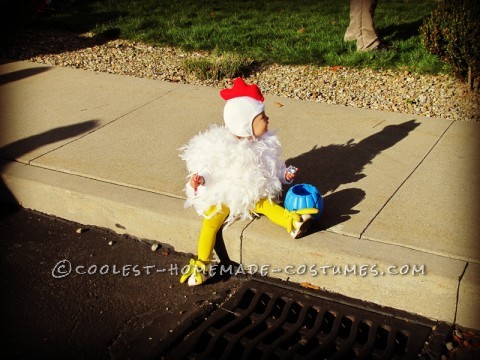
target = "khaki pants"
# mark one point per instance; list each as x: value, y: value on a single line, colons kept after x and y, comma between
x: 362, y: 26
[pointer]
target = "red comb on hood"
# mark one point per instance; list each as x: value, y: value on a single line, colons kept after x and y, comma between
x: 240, y: 88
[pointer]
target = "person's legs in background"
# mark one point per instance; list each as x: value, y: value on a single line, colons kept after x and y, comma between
x: 362, y: 25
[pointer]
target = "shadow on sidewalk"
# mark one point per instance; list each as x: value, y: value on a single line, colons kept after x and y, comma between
x: 21, y: 74
x: 329, y: 167
x: 14, y: 150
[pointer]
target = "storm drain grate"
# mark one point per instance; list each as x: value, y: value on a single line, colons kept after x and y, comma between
x: 265, y: 321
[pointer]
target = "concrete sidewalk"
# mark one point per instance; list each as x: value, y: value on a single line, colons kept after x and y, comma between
x: 400, y: 190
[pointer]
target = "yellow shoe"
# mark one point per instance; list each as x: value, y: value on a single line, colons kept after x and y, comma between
x: 196, y: 273
x: 302, y: 220
x: 302, y: 226
x: 188, y: 271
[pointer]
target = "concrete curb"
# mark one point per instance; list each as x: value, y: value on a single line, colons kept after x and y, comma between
x: 384, y: 274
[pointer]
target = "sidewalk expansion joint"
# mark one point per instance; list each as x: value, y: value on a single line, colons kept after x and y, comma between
x: 406, y: 179
x: 241, y: 239
x: 457, y: 298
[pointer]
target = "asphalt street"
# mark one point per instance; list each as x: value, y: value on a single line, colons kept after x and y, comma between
x: 90, y: 293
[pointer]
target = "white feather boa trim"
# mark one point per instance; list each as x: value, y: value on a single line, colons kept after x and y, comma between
x: 238, y: 173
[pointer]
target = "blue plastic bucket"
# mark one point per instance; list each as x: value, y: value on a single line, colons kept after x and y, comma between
x: 303, y: 196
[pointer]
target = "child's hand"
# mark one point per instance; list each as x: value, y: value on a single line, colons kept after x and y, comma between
x: 289, y: 177
x: 291, y: 173
x: 196, y: 180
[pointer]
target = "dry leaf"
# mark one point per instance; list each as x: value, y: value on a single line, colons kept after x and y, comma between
x: 336, y: 68
x: 302, y: 30
x: 278, y: 104
x: 309, y: 286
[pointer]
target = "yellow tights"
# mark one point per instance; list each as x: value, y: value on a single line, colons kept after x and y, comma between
x: 210, y: 226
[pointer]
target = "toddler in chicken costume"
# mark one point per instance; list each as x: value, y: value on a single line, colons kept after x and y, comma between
x: 235, y: 171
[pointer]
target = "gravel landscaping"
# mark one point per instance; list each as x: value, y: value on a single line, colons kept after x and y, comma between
x: 440, y: 96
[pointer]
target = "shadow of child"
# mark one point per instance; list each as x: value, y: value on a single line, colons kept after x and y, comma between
x: 329, y: 167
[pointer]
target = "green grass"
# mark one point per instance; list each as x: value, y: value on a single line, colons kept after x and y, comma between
x: 218, y: 67
x: 274, y: 31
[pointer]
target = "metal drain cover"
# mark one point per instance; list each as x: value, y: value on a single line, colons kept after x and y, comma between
x: 266, y: 321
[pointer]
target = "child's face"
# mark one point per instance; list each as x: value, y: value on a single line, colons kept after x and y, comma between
x: 260, y: 124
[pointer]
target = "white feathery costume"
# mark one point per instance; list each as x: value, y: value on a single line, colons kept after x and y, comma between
x: 237, y: 172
